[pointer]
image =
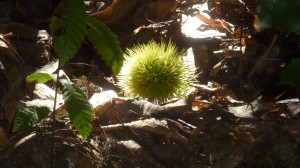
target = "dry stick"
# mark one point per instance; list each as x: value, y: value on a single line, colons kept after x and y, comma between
x: 281, y: 94
x: 7, y: 151
x: 260, y: 61
x: 17, y: 55
x: 143, y: 144
x: 241, y: 36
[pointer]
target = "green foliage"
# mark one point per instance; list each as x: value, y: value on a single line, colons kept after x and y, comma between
x: 155, y: 71
x: 79, y: 109
x: 29, y: 116
x: 71, y: 30
x: 291, y: 74
x: 38, y: 77
x: 106, y: 44
x: 281, y: 14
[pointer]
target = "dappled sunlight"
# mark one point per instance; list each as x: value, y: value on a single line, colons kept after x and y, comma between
x: 196, y: 28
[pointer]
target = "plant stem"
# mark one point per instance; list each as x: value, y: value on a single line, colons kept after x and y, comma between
x: 53, y: 119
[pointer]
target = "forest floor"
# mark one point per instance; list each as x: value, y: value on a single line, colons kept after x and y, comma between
x: 237, y: 114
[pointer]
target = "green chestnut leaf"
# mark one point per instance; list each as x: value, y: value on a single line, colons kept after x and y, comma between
x: 39, y: 77
x: 79, y: 109
x: 29, y: 116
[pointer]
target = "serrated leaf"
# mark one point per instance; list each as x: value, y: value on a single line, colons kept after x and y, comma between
x: 29, y: 116
x: 291, y: 74
x: 72, y: 29
x: 38, y: 77
x: 79, y: 109
x: 106, y: 43
x: 281, y: 14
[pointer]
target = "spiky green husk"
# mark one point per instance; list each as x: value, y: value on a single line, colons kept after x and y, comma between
x: 155, y: 71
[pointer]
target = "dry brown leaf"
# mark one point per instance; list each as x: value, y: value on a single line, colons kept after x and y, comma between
x: 158, y: 10
x: 102, y: 102
x: 228, y: 53
x: 216, y: 68
x: 294, y: 108
x: 85, y: 161
x: 153, y: 126
x: 201, y: 57
x: 226, y: 92
x: 19, y: 30
x: 3, y: 138
x: 217, y: 24
x: 117, y: 10
x: 66, y: 135
x: 35, y: 10
x: 10, y: 109
x: 244, y: 111
x: 275, y: 115
x: 9, y: 56
x: 205, y: 88
x: 49, y: 68
x: 199, y: 105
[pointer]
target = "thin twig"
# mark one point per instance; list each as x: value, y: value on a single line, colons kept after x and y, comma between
x: 260, y: 61
x: 241, y: 36
x: 17, y: 55
x: 141, y: 142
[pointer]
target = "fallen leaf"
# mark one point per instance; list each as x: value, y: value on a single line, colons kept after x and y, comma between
x: 3, y: 138
x: 117, y: 10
